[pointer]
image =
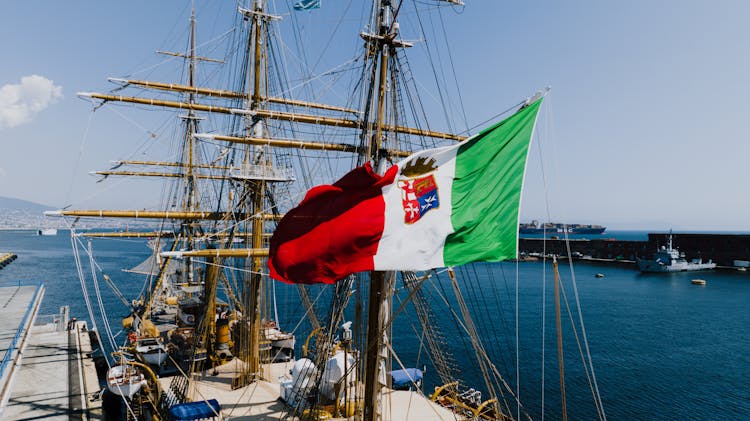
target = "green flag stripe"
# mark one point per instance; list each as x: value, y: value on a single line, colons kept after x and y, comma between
x: 486, y: 191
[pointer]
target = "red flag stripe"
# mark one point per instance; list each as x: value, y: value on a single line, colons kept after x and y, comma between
x: 333, y: 232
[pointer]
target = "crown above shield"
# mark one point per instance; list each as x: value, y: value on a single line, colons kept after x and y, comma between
x: 419, y: 166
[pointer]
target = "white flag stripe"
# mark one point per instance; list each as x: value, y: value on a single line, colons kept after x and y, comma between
x: 419, y: 244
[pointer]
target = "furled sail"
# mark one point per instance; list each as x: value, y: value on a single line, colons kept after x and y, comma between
x: 151, y: 265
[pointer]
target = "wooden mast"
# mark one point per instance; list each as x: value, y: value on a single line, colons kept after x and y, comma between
x: 191, y: 116
x: 212, y: 269
x: 255, y: 124
x: 380, y: 282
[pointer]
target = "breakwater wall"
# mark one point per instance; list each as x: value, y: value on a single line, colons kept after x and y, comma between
x: 723, y: 249
x: 6, y: 258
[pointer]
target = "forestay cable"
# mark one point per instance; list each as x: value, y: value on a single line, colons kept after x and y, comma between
x: 103, y: 312
x: 82, y: 278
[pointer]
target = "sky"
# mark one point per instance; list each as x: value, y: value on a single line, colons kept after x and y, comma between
x: 645, y: 126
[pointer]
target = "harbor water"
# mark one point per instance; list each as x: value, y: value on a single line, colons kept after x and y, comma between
x: 662, y: 348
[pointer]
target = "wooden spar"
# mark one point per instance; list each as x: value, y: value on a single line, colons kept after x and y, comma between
x: 391, y: 41
x: 146, y: 214
x: 298, y: 103
x: 169, y: 53
x: 129, y: 234
x: 224, y: 234
x: 297, y: 144
x: 283, y: 143
x: 273, y: 115
x: 253, y: 252
x: 172, y: 164
x: 221, y: 93
x: 155, y: 234
x: 161, y: 174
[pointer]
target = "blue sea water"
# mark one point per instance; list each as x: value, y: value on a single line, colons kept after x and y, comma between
x: 662, y: 348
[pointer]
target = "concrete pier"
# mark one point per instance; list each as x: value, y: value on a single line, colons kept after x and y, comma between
x: 18, y: 309
x: 49, y: 373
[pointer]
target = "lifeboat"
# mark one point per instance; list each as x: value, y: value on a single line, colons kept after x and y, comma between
x: 125, y: 380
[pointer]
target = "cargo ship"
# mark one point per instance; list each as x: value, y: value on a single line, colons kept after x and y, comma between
x: 555, y: 227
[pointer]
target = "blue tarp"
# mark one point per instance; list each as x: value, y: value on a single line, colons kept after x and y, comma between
x: 404, y: 378
x: 195, y: 410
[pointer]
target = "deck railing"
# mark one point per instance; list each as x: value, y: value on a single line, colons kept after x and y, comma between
x: 14, y: 343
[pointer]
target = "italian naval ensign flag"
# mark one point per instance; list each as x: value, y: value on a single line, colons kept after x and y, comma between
x: 438, y: 207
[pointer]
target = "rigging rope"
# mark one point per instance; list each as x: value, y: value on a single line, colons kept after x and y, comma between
x: 592, y: 381
x: 544, y: 254
x: 560, y: 355
x: 453, y: 70
x: 518, y: 361
x: 482, y: 353
x: 82, y: 279
x: 87, y: 300
x: 78, y: 159
x: 102, y: 311
x: 434, y: 72
x: 580, y: 351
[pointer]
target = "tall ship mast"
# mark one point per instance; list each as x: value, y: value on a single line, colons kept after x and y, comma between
x: 205, y: 332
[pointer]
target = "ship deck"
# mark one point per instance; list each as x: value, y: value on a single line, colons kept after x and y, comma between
x: 261, y: 400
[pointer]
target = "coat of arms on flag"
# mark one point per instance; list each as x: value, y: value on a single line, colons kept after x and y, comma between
x: 419, y: 195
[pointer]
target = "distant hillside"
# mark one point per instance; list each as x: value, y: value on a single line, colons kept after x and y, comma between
x: 8, y: 203
x: 17, y: 214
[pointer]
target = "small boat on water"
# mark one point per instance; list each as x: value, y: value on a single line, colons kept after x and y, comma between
x: 669, y: 259
x: 125, y: 380
x: 599, y: 275
x: 698, y: 282
x: 47, y: 231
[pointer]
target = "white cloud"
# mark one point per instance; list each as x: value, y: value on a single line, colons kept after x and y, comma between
x: 20, y: 102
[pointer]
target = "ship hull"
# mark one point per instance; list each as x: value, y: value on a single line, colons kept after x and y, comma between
x: 153, y: 354
x: 587, y: 231
x: 124, y: 381
x: 651, y: 266
x: 595, y: 231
